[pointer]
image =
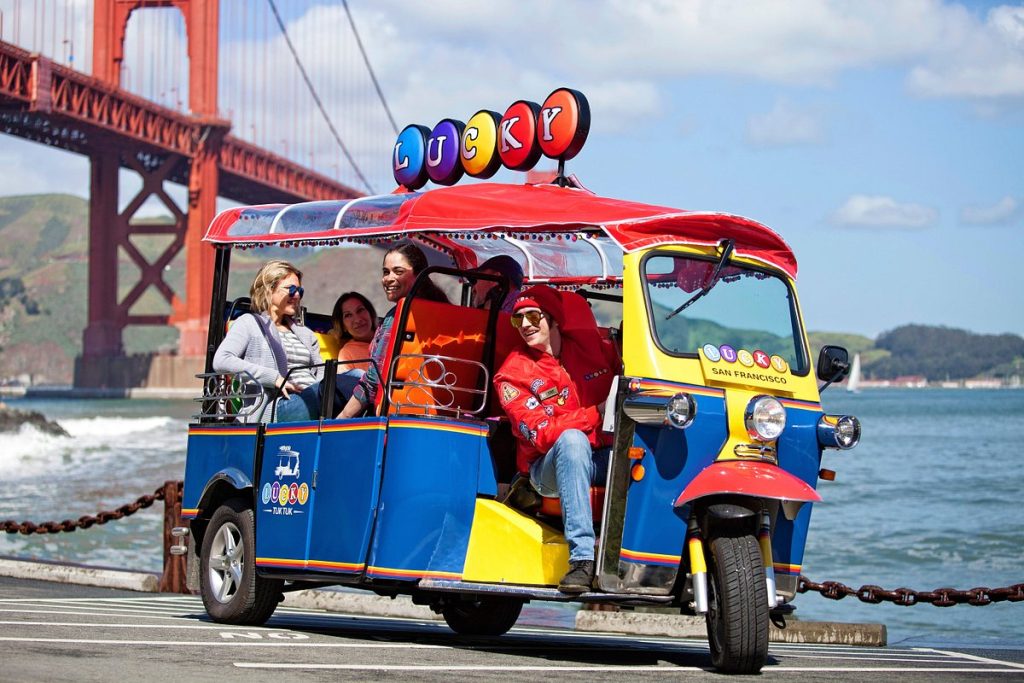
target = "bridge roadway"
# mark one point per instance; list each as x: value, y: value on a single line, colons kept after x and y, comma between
x: 52, y: 631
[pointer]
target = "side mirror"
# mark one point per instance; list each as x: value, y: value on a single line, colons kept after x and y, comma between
x: 833, y: 364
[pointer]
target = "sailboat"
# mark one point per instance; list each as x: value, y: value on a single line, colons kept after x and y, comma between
x: 853, y: 383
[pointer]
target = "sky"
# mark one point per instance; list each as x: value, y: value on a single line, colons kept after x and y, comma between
x: 883, y: 140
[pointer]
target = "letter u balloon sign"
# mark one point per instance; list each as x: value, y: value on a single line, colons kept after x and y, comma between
x: 516, y: 139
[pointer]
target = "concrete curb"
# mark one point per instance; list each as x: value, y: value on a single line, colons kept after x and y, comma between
x: 83, y: 576
x: 682, y: 626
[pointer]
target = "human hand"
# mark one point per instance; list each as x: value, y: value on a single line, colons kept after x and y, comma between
x: 286, y: 388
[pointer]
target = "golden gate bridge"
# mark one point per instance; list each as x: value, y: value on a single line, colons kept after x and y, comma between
x: 236, y: 99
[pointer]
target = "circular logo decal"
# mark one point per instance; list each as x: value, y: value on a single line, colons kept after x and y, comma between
x: 266, y: 493
x: 779, y: 363
x: 275, y: 491
x: 762, y: 359
x: 712, y: 353
x: 745, y: 358
x: 282, y: 496
x: 563, y: 124
x: 728, y: 353
x: 517, y: 136
x: 293, y: 493
x: 303, y: 494
x: 409, y: 159
x: 479, y: 150
x: 443, y: 165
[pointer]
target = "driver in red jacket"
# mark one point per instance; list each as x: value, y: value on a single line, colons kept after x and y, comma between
x: 553, y: 391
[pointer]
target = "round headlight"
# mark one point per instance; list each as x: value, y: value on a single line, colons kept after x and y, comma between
x: 680, y: 411
x: 847, y: 432
x: 765, y: 418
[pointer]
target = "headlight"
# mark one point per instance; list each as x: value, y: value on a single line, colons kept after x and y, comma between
x: 681, y: 410
x: 838, y: 431
x: 765, y: 418
x: 677, y: 411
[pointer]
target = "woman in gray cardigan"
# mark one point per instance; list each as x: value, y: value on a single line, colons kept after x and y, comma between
x: 269, y: 342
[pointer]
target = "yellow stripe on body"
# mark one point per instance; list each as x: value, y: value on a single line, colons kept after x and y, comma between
x: 506, y: 546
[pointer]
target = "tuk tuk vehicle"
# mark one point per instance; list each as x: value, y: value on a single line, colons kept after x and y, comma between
x: 718, y: 428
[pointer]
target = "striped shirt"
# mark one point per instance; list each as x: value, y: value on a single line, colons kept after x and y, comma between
x: 298, y: 354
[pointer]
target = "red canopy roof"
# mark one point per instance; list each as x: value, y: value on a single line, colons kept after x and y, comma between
x: 493, y: 207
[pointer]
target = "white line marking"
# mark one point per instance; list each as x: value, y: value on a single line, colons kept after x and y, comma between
x: 597, y: 668
x: 976, y: 658
x: 196, y: 627
x: 886, y: 669
x: 464, y: 667
x: 229, y: 643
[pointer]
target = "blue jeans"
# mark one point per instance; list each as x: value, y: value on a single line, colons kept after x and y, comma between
x: 305, y: 405
x: 566, y: 472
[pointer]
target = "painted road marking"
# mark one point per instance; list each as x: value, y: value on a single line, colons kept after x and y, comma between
x: 976, y: 658
x: 226, y: 643
x: 668, y: 668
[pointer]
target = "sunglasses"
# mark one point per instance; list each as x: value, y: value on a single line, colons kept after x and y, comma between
x: 296, y: 290
x: 533, y: 317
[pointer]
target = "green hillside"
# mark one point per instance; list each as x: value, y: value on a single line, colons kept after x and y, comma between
x: 43, y: 290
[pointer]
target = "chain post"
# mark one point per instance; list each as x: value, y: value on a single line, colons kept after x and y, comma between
x: 173, y: 578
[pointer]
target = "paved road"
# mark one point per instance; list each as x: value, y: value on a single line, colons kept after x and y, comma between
x: 58, y: 632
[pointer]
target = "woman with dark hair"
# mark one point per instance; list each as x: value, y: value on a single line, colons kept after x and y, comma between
x: 402, y: 263
x: 355, y: 321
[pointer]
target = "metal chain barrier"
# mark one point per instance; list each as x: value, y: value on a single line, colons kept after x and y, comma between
x: 940, y: 597
x: 85, y: 521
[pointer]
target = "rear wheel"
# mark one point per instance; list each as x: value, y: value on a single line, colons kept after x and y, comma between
x: 483, y: 616
x: 232, y: 592
x: 737, y: 616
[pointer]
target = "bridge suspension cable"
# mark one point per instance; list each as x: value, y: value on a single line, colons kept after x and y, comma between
x: 369, y: 68
x: 316, y: 97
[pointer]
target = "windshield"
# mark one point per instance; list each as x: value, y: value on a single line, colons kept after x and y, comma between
x: 744, y: 308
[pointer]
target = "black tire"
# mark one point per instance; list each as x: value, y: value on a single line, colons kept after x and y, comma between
x: 737, y: 616
x: 232, y: 592
x: 482, y: 616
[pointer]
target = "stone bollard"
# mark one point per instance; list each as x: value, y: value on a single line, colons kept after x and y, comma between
x: 173, y: 578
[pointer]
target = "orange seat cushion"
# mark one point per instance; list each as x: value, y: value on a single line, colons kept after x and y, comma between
x: 552, y: 507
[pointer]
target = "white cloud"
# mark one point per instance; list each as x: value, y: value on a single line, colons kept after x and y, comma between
x: 1003, y: 211
x: 785, y: 125
x: 983, y: 60
x: 876, y: 211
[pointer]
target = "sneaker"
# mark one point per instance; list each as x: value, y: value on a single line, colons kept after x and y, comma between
x: 579, y: 578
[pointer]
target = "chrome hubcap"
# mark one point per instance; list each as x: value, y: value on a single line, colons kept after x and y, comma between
x: 226, y: 563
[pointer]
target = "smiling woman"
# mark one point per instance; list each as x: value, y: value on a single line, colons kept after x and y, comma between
x: 276, y: 350
x: 402, y: 263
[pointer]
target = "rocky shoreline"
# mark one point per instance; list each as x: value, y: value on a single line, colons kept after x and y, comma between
x: 11, y: 420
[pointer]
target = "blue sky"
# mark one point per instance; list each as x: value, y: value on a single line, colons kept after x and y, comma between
x: 884, y: 141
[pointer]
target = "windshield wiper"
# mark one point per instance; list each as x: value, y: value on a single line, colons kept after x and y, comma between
x: 727, y: 247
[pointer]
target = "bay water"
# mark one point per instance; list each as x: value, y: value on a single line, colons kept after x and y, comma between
x: 930, y: 498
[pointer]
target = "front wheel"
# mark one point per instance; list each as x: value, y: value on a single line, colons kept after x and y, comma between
x: 482, y: 616
x: 737, y: 616
x: 232, y: 592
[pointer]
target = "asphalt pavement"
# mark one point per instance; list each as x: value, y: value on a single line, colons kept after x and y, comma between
x: 56, y: 631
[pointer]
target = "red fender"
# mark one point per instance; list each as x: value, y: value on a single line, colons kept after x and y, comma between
x: 757, y: 479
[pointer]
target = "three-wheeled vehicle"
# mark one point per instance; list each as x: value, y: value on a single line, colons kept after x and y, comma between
x: 718, y: 428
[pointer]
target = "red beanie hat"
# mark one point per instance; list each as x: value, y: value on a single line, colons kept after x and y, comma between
x: 543, y: 297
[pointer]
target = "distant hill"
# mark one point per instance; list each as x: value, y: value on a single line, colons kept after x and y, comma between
x: 44, y: 284
x: 43, y: 290
x: 937, y: 353
x: 43, y: 268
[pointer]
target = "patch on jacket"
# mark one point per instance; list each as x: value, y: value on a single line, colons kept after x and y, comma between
x: 508, y: 392
x: 528, y: 434
x: 532, y: 403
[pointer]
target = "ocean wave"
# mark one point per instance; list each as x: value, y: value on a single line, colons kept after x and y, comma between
x: 108, y: 427
x: 92, y: 441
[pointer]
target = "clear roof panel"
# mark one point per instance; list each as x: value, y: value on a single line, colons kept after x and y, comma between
x: 307, y: 217
x: 253, y: 221
x: 370, y: 212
